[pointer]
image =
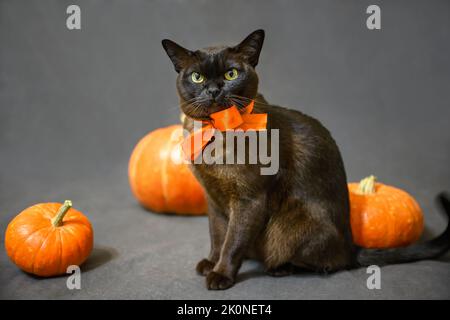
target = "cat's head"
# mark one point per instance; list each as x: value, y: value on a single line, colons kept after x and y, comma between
x: 214, y: 78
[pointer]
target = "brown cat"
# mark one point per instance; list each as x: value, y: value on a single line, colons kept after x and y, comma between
x: 297, y: 217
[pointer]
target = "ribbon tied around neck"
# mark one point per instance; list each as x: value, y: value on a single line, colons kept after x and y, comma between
x: 228, y: 119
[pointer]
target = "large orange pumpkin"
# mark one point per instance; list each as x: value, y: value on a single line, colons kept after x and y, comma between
x: 159, y: 178
x: 48, y: 237
x: 383, y: 216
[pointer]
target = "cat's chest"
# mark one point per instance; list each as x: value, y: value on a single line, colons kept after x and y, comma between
x: 221, y: 177
x: 223, y: 183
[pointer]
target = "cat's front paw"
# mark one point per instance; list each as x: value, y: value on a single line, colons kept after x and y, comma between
x: 204, y: 267
x: 217, y: 281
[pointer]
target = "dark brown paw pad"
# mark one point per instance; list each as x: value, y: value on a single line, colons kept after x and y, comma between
x: 216, y: 281
x: 204, y: 267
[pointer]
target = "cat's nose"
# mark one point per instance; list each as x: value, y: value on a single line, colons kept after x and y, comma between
x: 213, y: 92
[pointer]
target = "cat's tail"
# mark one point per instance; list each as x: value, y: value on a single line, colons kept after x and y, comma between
x: 420, y: 251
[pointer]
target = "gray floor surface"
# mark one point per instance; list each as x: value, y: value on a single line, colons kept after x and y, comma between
x: 74, y: 103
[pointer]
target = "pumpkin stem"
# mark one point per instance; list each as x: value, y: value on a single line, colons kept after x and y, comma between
x: 57, y: 220
x: 367, y: 185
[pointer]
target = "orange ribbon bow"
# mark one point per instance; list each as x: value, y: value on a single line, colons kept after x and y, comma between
x: 228, y: 119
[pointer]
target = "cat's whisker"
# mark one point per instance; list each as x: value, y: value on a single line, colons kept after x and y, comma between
x: 249, y: 100
x: 197, y: 104
x: 180, y: 105
x: 238, y: 103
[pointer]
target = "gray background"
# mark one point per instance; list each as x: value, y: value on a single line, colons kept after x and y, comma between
x: 74, y: 103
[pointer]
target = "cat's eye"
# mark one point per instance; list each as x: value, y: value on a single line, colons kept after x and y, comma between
x: 197, y: 77
x: 231, y: 74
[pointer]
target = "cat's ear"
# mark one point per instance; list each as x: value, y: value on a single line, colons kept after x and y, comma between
x: 250, y: 47
x: 180, y: 56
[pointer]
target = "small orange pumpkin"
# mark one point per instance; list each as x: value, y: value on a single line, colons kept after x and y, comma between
x: 383, y: 216
x: 159, y: 178
x: 48, y: 237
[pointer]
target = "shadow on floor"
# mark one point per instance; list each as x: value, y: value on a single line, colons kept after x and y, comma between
x: 99, y: 256
x: 258, y: 272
